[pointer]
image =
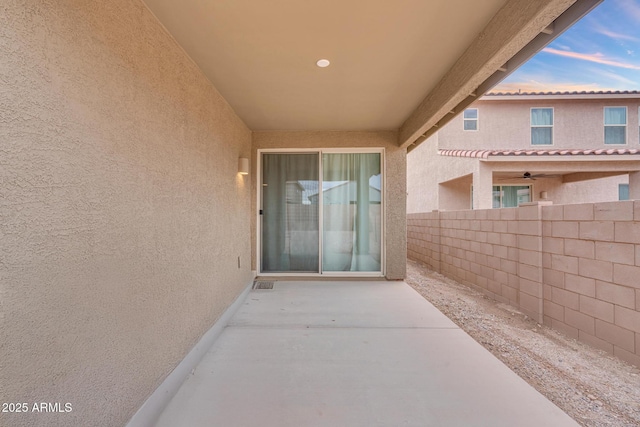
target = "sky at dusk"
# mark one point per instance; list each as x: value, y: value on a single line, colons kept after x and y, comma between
x: 600, y: 52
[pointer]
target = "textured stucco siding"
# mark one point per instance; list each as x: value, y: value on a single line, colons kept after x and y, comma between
x: 502, y: 125
x: 122, y: 215
x: 437, y: 182
x: 431, y: 187
x: 395, y: 180
x: 578, y: 123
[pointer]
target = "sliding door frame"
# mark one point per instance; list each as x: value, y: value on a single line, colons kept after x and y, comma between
x: 320, y: 152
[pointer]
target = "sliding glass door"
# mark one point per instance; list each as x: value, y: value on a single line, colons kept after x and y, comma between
x: 351, y: 207
x: 321, y: 212
x: 290, y: 221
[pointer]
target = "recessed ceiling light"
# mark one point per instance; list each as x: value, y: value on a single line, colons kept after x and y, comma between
x: 322, y: 63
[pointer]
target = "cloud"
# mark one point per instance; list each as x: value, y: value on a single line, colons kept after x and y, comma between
x: 563, y: 46
x: 616, y: 77
x: 595, y: 57
x: 617, y: 36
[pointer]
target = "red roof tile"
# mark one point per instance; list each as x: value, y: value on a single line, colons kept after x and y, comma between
x: 483, y: 154
x: 602, y: 92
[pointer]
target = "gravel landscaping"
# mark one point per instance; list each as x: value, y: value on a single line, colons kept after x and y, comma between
x: 593, y: 387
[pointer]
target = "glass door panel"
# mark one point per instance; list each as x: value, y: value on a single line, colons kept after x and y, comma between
x: 290, y: 222
x: 352, y: 212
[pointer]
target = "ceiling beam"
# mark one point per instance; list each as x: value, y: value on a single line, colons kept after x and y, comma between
x: 517, y: 32
x: 549, y: 29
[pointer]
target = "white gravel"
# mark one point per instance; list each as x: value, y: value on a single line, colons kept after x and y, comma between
x: 593, y: 387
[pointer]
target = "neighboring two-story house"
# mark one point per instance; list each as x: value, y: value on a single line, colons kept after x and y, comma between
x: 509, y: 149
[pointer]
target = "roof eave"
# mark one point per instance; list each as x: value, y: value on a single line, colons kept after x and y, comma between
x: 473, y: 75
x: 562, y: 96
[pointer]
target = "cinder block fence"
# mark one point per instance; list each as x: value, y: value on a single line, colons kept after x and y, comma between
x: 575, y: 268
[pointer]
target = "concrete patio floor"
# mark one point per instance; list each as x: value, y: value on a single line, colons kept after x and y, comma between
x: 351, y: 353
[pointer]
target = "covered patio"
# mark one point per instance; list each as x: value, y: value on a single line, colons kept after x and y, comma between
x: 350, y: 353
x: 131, y: 138
x: 553, y: 167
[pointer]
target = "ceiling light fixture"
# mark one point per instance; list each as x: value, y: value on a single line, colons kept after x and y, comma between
x: 322, y: 63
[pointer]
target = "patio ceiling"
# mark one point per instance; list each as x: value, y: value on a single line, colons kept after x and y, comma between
x: 579, y: 168
x: 401, y: 65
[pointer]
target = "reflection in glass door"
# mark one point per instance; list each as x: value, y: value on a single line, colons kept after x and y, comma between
x: 351, y: 211
x: 290, y: 234
x: 345, y: 235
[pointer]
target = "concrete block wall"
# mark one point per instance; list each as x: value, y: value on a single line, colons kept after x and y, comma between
x: 497, y: 251
x: 574, y: 267
x: 423, y: 238
x: 591, y: 274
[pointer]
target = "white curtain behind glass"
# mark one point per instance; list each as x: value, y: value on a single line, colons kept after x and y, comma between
x: 615, y: 116
x: 510, y: 196
x: 290, y: 234
x: 615, y: 119
x: 541, y: 126
x: 351, y: 212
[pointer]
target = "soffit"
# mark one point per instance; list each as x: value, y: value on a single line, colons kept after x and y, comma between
x: 385, y: 56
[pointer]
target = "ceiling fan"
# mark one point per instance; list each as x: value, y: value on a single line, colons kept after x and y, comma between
x: 530, y: 176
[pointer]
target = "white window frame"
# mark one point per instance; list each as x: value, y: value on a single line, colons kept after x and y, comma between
x: 605, y: 125
x: 477, y: 120
x: 531, y: 126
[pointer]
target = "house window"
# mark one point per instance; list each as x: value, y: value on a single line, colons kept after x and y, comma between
x: 470, y: 119
x: 510, y: 196
x: 623, y: 191
x: 541, y: 126
x: 615, y: 125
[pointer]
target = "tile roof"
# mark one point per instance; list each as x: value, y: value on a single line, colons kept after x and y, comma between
x: 483, y: 154
x: 602, y: 92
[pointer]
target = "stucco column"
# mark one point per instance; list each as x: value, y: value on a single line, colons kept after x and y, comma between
x: 482, y: 187
x: 634, y: 185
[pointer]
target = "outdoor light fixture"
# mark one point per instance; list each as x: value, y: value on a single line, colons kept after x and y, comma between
x: 543, y: 195
x: 243, y: 166
x: 323, y: 63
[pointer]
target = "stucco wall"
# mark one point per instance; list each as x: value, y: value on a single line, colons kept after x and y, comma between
x: 436, y: 182
x: 395, y: 180
x: 592, y: 190
x: 597, y: 190
x: 422, y: 177
x: 122, y: 216
x: 505, y: 124
x: 426, y: 170
x: 573, y: 267
x: 578, y: 123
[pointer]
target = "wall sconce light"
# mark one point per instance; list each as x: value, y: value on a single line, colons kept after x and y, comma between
x: 543, y: 195
x: 243, y: 166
